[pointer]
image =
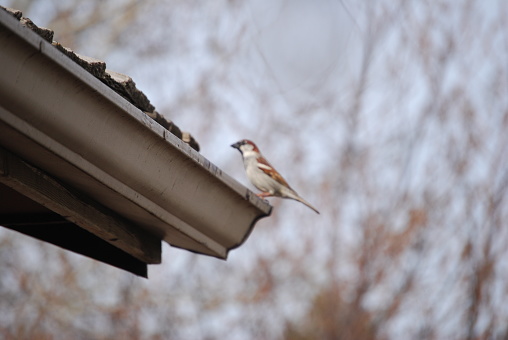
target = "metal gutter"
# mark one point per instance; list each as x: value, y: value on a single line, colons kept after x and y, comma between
x: 57, y: 116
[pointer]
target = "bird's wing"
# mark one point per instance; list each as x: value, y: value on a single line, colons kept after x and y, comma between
x: 268, y: 169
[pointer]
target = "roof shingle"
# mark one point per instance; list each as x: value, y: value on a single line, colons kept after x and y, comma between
x: 120, y: 83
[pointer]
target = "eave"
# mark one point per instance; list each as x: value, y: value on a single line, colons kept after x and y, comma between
x: 60, y: 119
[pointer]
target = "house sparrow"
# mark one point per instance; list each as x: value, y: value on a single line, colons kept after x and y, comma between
x: 263, y: 176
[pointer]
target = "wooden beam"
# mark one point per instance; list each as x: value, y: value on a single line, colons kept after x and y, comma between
x: 52, y: 228
x: 78, y: 209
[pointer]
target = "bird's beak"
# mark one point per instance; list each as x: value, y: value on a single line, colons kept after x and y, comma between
x: 236, y: 145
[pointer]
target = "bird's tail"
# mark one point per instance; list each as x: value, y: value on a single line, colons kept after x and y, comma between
x: 290, y: 193
x: 301, y: 200
x: 297, y: 197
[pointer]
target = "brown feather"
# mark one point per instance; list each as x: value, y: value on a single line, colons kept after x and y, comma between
x: 272, y: 172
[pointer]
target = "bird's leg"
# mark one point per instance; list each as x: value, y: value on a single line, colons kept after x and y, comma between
x: 264, y: 194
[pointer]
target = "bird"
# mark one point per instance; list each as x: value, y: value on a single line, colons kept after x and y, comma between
x: 264, y: 176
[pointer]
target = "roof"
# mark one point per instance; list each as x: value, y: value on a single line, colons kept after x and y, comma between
x: 82, y: 147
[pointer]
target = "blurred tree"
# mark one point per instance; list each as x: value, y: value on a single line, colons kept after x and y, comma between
x: 391, y: 117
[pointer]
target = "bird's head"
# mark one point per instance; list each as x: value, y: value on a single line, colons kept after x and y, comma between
x: 245, y: 145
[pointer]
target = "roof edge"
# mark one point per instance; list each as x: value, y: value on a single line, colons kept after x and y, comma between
x: 82, y: 132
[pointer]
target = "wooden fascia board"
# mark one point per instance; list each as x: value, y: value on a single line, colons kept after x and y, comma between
x: 41, y: 188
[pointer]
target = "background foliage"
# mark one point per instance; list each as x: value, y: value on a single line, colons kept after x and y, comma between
x: 390, y: 116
